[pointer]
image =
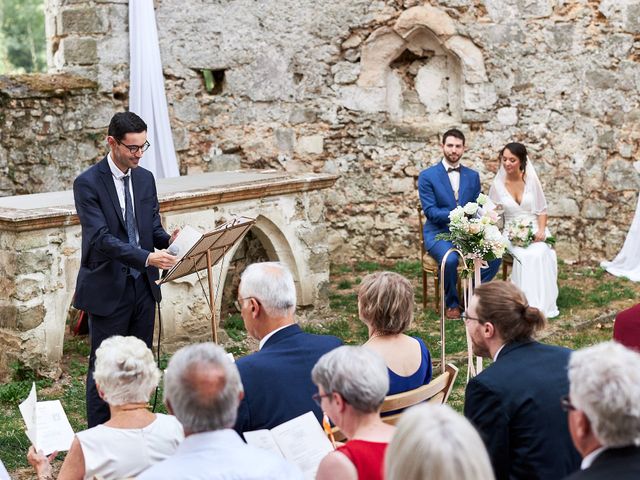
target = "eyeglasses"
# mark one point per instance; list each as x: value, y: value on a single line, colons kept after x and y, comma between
x: 467, y: 318
x: 318, y: 398
x: 565, y: 403
x: 134, y: 148
x: 238, y: 306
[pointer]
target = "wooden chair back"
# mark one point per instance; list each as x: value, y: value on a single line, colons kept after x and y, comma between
x: 436, y: 391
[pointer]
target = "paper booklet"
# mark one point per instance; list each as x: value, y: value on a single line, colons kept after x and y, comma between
x: 301, y: 441
x: 48, y: 427
x: 186, y: 239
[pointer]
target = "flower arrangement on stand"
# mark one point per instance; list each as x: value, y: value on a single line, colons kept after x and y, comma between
x: 474, y: 231
x: 476, y: 237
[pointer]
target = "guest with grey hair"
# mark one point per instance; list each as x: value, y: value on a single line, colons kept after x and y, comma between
x: 203, y: 390
x: 604, y: 411
x: 125, y: 375
x: 435, y: 442
x: 276, y: 378
x: 352, y: 384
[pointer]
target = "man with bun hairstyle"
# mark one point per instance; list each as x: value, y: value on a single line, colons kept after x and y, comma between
x: 515, y: 403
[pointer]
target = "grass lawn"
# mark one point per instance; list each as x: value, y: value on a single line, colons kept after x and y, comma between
x: 588, y: 301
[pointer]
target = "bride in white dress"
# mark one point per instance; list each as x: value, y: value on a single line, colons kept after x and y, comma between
x: 517, y: 190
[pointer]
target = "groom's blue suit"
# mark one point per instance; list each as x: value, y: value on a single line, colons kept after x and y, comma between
x: 437, y: 199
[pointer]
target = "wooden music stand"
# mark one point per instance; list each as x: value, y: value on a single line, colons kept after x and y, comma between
x: 206, y: 253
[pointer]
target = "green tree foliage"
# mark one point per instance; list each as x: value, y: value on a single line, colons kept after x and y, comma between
x: 22, y: 36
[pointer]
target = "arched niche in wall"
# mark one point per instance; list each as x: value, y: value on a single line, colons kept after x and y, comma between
x: 420, y: 70
x: 264, y: 242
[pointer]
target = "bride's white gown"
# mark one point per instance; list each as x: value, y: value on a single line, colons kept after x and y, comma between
x: 536, y: 272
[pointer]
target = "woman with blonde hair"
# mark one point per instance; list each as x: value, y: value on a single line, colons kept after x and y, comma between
x: 134, y: 438
x: 436, y: 443
x: 385, y: 306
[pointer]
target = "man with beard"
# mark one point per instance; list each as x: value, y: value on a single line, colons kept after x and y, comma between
x: 515, y: 403
x: 442, y: 188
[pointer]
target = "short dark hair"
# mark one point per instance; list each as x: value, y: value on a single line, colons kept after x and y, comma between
x: 125, y: 122
x: 453, y: 132
x: 520, y: 151
x: 506, y: 307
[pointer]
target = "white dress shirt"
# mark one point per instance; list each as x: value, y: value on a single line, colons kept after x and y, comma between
x: 221, y: 455
x: 454, y: 177
x: 118, y: 182
x: 271, y: 334
x: 588, y: 460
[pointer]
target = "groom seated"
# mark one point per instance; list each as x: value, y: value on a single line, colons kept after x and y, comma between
x: 442, y: 188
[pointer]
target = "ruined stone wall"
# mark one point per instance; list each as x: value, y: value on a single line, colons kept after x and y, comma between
x: 363, y: 88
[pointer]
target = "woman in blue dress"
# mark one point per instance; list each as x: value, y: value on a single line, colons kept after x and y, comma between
x: 385, y: 305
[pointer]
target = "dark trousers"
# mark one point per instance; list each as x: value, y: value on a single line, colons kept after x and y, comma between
x: 135, y: 316
x: 451, y: 274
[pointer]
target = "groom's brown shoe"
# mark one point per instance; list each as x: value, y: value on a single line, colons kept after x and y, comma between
x: 452, y: 313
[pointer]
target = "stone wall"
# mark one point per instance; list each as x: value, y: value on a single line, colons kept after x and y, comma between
x: 363, y: 88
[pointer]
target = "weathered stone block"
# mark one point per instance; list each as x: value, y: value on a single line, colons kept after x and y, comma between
x: 79, y: 51
x: 8, y: 316
x: 507, y: 116
x: 80, y: 21
x: 311, y: 144
x: 564, y: 207
x: 368, y: 100
x: 302, y: 115
x: 594, y: 209
x: 427, y: 16
x: 285, y: 139
x: 345, y: 72
x: 29, y: 287
x: 34, y: 261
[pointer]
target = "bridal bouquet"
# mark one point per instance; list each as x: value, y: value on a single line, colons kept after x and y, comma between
x: 473, y: 231
x: 520, y: 233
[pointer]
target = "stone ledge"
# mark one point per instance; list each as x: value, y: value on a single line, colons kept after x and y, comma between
x: 56, y: 209
x: 44, y: 85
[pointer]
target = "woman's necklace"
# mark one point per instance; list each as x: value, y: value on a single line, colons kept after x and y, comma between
x: 134, y: 407
x: 374, y: 335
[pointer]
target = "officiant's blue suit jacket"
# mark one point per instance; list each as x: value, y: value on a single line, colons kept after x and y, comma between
x: 515, y: 405
x: 106, y: 251
x: 437, y: 198
x: 277, y: 379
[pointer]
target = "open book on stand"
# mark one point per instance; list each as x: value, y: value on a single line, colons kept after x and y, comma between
x: 301, y: 441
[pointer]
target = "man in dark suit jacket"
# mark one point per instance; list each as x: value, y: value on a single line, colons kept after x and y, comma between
x: 442, y: 188
x: 118, y: 207
x: 277, y: 378
x: 604, y: 416
x: 515, y: 403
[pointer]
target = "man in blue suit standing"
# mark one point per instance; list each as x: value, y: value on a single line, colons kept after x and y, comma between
x: 277, y: 378
x: 117, y: 204
x: 443, y: 187
x: 515, y: 402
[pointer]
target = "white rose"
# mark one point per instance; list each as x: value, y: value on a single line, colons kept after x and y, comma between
x: 471, y: 208
x: 482, y: 199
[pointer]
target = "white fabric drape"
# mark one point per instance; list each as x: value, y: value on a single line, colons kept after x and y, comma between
x: 146, y: 91
x: 627, y: 262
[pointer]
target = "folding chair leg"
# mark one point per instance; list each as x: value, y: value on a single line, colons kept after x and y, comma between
x: 436, y: 283
x: 504, y: 270
x: 424, y: 290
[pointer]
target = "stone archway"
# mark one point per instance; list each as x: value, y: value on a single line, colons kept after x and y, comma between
x: 420, y: 68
